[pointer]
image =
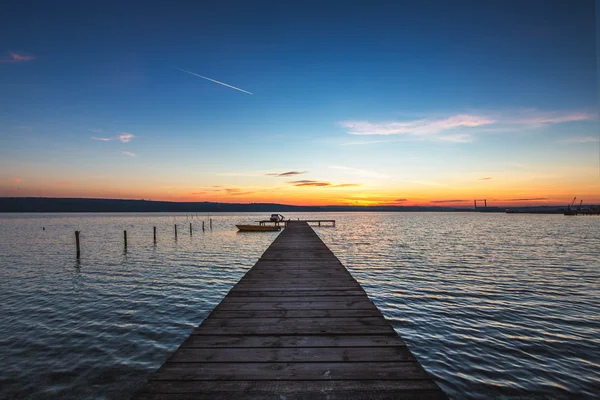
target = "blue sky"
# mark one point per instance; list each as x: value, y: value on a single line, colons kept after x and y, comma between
x: 381, y: 95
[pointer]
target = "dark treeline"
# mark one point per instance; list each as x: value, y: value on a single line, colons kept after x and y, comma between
x: 54, y: 204
x: 51, y: 204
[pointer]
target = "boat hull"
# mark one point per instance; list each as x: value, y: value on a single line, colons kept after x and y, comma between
x: 257, y: 228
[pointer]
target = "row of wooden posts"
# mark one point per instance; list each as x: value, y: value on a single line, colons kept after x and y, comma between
x: 125, y: 236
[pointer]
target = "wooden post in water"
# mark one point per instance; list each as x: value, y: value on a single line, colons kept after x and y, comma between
x: 175, y: 231
x: 154, y: 235
x: 77, y: 244
x: 211, y: 224
x: 125, y: 239
x: 202, y: 226
x: 190, y: 229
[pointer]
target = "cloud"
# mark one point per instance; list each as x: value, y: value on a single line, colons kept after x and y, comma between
x: 241, y: 193
x: 347, y: 185
x: 530, y: 199
x: 581, y: 139
x: 487, y: 178
x: 310, y: 183
x: 104, y: 139
x: 126, y: 137
x: 130, y: 154
x: 399, y: 200
x: 290, y: 173
x: 421, y: 127
x: 360, y: 172
x: 63, y: 183
x: 14, y: 58
x: 96, y: 130
x: 448, y: 201
x: 542, y: 118
x: 197, y: 193
x: 17, y: 180
x: 306, y: 182
x: 444, y: 128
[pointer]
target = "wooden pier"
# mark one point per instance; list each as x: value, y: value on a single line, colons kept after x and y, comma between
x: 296, y: 326
x: 326, y: 222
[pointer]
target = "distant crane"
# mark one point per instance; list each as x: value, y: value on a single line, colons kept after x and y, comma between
x: 580, y: 204
x: 569, y: 209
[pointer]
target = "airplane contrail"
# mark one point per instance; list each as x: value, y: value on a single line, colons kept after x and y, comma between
x: 212, y: 80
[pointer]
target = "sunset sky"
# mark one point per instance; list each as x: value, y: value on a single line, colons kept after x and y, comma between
x: 405, y: 103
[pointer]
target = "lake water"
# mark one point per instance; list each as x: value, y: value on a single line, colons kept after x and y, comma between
x: 492, y: 305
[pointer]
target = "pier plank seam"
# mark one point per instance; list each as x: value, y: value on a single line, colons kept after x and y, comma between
x: 296, y: 326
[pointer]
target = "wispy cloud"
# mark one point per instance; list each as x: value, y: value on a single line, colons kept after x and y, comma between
x: 421, y: 127
x: 96, y: 130
x: 460, y: 128
x: 103, y: 139
x: 487, y: 178
x: 448, y: 201
x: 399, y: 200
x: 130, y: 154
x: 17, y: 180
x: 306, y: 182
x: 213, y: 80
x: 346, y: 185
x: 290, y: 173
x: 530, y: 199
x: 581, y: 139
x: 535, y: 118
x: 197, y: 193
x: 14, y: 58
x: 360, y: 172
x: 126, y: 137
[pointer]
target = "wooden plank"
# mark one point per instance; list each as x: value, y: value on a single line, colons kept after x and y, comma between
x: 225, y: 314
x: 334, y: 304
x: 304, y: 354
x: 290, y: 387
x: 299, y: 326
x: 242, y: 341
x: 258, y: 292
x: 296, y: 299
x: 290, y: 371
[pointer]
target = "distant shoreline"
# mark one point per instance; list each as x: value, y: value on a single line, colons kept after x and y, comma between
x: 66, y: 205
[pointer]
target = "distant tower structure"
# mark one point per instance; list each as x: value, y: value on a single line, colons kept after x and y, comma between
x: 484, y: 203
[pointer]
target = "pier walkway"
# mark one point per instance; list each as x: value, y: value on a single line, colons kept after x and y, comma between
x: 296, y: 326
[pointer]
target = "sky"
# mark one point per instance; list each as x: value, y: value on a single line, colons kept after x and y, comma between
x: 307, y: 103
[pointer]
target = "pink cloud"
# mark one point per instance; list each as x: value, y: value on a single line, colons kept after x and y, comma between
x: 17, y: 180
x: 125, y: 137
x: 16, y: 58
x: 538, y: 118
x: 104, y: 139
x: 421, y: 127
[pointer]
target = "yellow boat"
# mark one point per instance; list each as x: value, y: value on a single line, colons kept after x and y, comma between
x: 258, y: 228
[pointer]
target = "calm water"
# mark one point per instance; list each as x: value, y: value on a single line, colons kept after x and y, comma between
x: 493, y: 305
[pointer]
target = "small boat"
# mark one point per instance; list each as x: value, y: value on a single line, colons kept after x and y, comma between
x: 258, y: 228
